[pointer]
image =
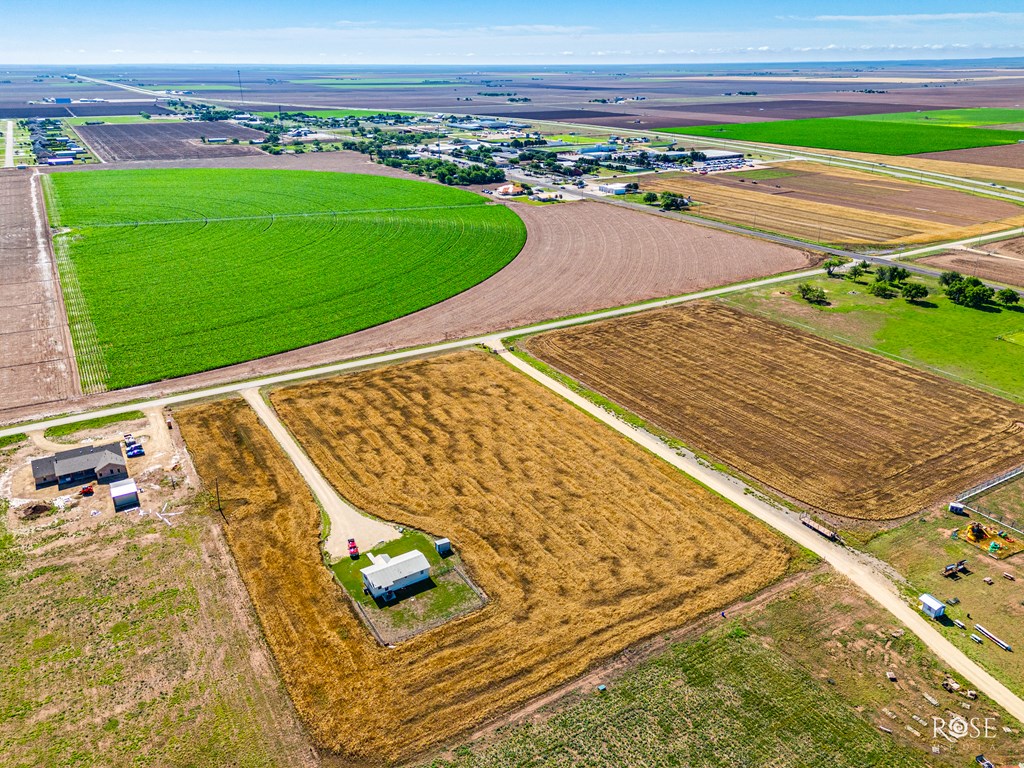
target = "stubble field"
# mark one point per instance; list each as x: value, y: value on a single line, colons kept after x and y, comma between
x: 836, y: 428
x: 582, y: 542
x: 816, y: 202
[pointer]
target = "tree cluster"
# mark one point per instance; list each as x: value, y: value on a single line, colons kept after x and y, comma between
x: 812, y: 294
x: 969, y: 291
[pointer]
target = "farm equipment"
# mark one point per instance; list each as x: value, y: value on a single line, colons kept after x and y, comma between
x: 353, y: 549
x: 988, y: 580
x: 955, y: 569
x: 1009, y: 576
x: 951, y: 685
x: 86, y: 490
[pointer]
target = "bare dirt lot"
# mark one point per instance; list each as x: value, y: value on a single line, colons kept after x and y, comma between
x: 36, y: 364
x: 1005, y: 266
x: 583, y: 544
x: 839, y: 429
x: 1008, y: 156
x: 838, y: 205
x: 166, y: 141
x: 578, y: 257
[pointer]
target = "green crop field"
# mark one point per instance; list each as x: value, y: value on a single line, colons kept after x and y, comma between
x: 726, y: 699
x: 882, y: 137
x: 170, y: 272
x: 958, y: 118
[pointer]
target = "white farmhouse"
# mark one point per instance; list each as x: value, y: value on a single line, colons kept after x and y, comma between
x: 387, y: 574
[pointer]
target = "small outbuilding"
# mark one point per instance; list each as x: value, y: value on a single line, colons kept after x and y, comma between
x: 125, y: 495
x: 932, y: 606
x: 443, y: 547
x: 388, y: 574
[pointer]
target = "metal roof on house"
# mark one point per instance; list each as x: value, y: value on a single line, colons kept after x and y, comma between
x: 79, y: 460
x: 384, y: 574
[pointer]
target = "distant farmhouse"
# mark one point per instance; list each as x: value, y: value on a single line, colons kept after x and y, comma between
x: 387, y: 575
x: 80, y: 465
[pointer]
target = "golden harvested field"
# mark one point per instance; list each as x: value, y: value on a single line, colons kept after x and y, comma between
x: 834, y: 427
x: 584, y: 544
x: 841, y: 206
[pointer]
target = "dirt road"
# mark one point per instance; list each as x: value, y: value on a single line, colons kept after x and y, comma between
x: 864, y: 571
x: 346, y: 521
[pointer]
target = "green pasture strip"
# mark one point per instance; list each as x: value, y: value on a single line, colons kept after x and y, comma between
x: 102, y: 421
x: 966, y: 344
x: 855, y: 135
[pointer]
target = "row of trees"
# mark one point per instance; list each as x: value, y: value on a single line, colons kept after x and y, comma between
x: 969, y: 291
x: 891, y: 280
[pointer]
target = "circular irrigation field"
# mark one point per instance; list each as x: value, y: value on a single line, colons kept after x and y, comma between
x: 171, y: 272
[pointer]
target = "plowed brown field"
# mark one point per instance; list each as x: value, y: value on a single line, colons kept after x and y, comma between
x: 837, y: 428
x: 578, y: 257
x: 584, y: 544
x: 840, y: 205
x: 1008, y: 269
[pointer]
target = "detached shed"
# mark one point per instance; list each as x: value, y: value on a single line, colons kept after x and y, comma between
x: 125, y: 495
x: 932, y: 606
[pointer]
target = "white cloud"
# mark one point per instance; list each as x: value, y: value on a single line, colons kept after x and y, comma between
x: 912, y: 18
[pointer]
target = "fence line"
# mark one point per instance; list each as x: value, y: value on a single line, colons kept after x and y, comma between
x: 990, y: 484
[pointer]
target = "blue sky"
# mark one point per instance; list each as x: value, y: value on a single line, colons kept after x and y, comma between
x: 521, y: 32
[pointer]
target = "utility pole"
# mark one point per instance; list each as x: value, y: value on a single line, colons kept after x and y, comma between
x: 216, y: 484
x: 239, y: 73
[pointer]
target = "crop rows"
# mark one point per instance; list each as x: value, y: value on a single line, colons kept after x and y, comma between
x: 837, y: 428
x: 855, y: 135
x: 259, y: 276
x: 721, y: 700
